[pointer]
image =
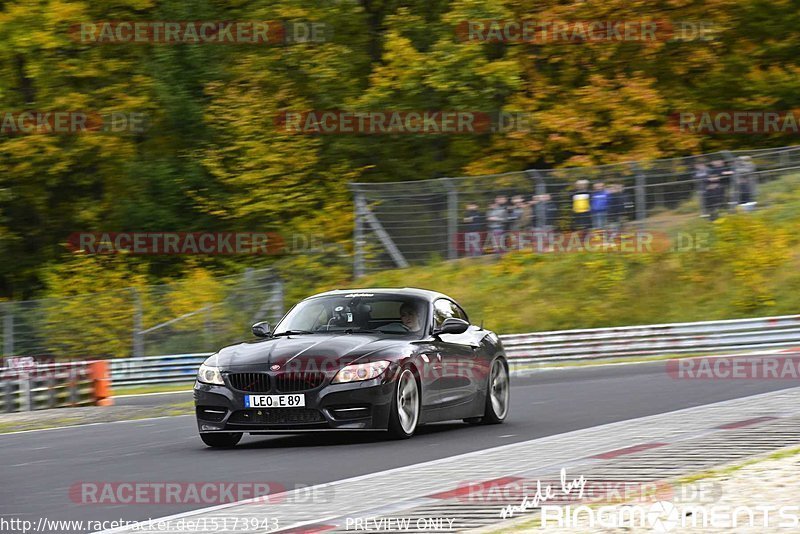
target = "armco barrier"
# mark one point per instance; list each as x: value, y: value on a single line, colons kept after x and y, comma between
x: 649, y: 340
x: 55, y: 385
x: 626, y: 341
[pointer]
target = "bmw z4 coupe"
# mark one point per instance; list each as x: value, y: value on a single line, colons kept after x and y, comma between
x: 365, y: 359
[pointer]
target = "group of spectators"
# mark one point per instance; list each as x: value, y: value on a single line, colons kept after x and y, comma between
x: 601, y: 206
x: 717, y: 187
x: 538, y: 213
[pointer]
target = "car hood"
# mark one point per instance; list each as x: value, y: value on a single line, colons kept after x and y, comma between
x: 318, y: 350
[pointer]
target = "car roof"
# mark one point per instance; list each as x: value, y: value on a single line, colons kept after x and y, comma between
x: 426, y: 294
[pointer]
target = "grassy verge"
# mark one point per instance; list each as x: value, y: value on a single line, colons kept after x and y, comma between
x: 59, y: 417
x: 153, y: 388
x: 619, y: 361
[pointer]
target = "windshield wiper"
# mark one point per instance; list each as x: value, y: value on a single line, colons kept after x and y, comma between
x: 292, y: 332
x: 362, y: 331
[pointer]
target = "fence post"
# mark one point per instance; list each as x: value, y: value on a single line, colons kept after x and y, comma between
x: 540, y: 188
x: 733, y: 185
x: 8, y: 331
x: 452, y: 219
x: 138, y: 335
x: 358, y: 236
x: 700, y: 189
x: 641, y: 193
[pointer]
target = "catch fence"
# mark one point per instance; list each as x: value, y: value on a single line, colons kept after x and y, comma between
x: 188, y: 316
x: 398, y: 224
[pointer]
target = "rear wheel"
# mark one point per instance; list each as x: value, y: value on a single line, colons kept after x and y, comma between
x: 222, y: 441
x: 497, y: 396
x: 404, y: 415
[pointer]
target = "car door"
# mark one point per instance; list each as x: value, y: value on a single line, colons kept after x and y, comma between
x: 456, y: 385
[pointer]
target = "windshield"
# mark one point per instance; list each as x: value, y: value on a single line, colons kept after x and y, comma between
x: 385, y: 314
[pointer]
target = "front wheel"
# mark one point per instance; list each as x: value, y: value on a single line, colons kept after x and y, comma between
x: 404, y: 415
x: 222, y: 441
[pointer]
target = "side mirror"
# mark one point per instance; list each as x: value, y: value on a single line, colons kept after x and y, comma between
x: 262, y: 329
x: 452, y: 325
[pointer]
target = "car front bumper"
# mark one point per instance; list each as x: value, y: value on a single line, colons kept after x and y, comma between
x: 354, y: 406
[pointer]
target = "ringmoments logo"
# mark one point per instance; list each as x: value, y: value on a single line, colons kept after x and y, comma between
x: 666, y: 516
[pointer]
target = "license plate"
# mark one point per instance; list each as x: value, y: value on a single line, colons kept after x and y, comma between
x: 274, y: 401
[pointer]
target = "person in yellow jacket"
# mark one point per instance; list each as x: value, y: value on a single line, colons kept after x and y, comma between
x: 581, y: 206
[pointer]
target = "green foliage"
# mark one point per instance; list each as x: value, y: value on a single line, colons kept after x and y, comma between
x: 213, y: 159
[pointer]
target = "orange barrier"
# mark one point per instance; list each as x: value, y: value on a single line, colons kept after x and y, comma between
x: 100, y: 373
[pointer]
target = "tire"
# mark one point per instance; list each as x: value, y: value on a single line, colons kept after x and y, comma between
x: 222, y: 441
x: 406, y: 406
x: 498, y: 396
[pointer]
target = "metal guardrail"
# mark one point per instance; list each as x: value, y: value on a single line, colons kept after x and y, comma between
x: 650, y: 340
x: 537, y: 347
x: 47, y: 386
x: 156, y: 369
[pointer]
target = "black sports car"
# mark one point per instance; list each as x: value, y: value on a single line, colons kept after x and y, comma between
x: 365, y: 359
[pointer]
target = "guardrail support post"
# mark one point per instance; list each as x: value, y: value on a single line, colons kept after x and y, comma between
x: 73, y: 395
x: 51, y: 390
x: 25, y: 397
x: 10, y: 400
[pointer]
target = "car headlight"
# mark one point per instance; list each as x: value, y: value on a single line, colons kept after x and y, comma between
x: 209, y: 374
x: 360, y: 371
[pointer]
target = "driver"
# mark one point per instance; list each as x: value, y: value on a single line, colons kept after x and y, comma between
x: 409, y: 315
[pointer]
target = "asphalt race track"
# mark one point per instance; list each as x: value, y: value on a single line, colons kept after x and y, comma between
x: 38, y: 468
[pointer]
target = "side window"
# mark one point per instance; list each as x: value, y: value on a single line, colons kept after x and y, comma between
x: 461, y: 314
x: 442, y: 309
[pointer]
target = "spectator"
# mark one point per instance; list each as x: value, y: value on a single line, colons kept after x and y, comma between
x: 723, y: 173
x: 700, y: 171
x: 581, y: 207
x: 502, y: 202
x: 714, y: 196
x: 701, y: 174
x: 618, y: 204
x: 497, y: 216
x: 545, y: 212
x: 599, y: 206
x: 520, y: 215
x: 744, y: 181
x: 474, y: 220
